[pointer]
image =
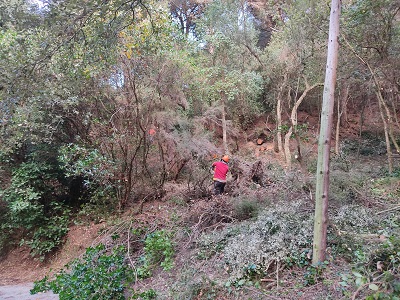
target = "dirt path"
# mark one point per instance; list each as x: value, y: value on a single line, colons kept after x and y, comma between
x: 21, y: 292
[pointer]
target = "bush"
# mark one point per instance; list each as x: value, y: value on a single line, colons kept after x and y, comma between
x: 158, y: 249
x: 97, y: 275
x: 345, y: 235
x: 5, y: 231
x: 49, y: 235
x: 245, y: 208
x: 33, y: 214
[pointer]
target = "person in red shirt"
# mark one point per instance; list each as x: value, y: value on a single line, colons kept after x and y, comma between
x: 152, y: 133
x: 220, y: 169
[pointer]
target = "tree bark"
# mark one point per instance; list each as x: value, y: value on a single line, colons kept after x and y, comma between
x: 324, y: 144
x: 279, y: 115
x: 224, y: 136
x: 341, y: 110
x: 387, y: 138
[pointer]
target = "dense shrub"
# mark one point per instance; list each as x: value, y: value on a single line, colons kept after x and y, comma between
x: 245, y: 208
x: 106, y: 274
x: 97, y: 275
x: 33, y: 212
x: 158, y: 250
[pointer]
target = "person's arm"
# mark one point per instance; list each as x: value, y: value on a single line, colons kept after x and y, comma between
x: 212, y: 168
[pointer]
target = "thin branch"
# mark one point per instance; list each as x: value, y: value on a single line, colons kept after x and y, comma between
x: 389, y: 210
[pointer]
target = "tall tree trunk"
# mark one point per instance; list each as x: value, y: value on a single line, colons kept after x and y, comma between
x: 341, y: 110
x: 279, y: 115
x: 387, y: 139
x: 390, y: 120
x: 324, y: 144
x: 224, y: 136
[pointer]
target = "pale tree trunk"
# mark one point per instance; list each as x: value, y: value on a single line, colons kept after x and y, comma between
x: 288, y: 156
x: 337, y: 134
x: 293, y: 119
x: 279, y: 124
x: 324, y: 144
x: 341, y: 110
x: 387, y: 139
x: 224, y: 135
x: 279, y: 115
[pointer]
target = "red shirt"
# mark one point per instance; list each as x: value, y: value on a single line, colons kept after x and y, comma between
x: 220, y: 170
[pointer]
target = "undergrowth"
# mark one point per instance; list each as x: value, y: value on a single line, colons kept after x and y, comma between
x: 97, y: 275
x: 244, y: 246
x: 376, y: 268
x: 107, y: 273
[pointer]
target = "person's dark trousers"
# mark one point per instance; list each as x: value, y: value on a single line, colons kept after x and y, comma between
x: 218, y: 187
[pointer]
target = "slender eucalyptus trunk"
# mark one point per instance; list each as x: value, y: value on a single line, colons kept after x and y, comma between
x: 224, y: 135
x: 341, y: 111
x: 324, y: 144
x: 387, y: 138
x: 279, y: 115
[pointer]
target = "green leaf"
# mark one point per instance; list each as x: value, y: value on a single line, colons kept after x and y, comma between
x: 359, y: 281
x: 357, y: 274
x: 373, y: 287
x: 241, y: 282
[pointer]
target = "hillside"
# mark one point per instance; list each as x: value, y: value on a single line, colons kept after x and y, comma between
x: 212, y: 234
x: 112, y: 112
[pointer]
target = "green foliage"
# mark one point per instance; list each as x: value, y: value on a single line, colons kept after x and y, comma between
x: 228, y: 29
x: 314, y: 273
x: 97, y: 275
x: 33, y: 213
x: 371, y: 22
x: 105, y: 273
x: 48, y: 236
x: 245, y: 208
x: 158, y: 249
x: 369, y: 144
x: 354, y: 218
x: 79, y: 161
x: 252, y: 274
x: 354, y: 221
x: 293, y: 52
x: 209, y: 245
x: 6, y: 231
x: 97, y: 172
x: 147, y: 295
x: 300, y: 259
